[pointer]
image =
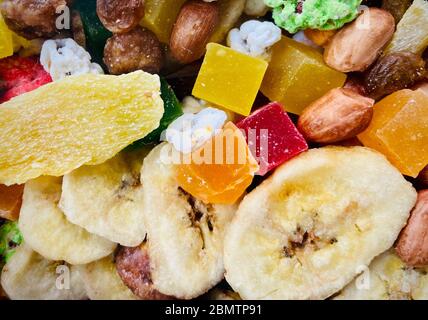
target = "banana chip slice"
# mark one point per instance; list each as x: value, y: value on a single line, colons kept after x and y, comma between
x: 29, y: 276
x: 388, y: 278
x: 102, y: 282
x: 185, y: 236
x: 107, y: 199
x: 47, y: 231
x: 306, y: 231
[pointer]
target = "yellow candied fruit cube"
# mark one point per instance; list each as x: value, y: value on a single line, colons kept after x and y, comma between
x: 6, y: 43
x: 160, y: 16
x: 399, y: 130
x: 229, y: 78
x: 297, y: 76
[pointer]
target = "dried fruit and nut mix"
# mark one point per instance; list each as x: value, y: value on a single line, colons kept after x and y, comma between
x: 224, y: 149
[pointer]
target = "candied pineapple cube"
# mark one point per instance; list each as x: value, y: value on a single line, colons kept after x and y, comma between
x: 6, y: 41
x: 297, y: 76
x: 79, y: 120
x: 412, y: 30
x: 221, y: 170
x: 399, y: 130
x: 229, y: 78
x: 160, y: 16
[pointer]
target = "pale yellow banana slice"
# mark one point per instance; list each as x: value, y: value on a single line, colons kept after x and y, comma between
x: 307, y: 230
x: 47, y: 231
x: 29, y: 276
x: 107, y: 199
x: 102, y: 282
x: 185, y: 236
x: 388, y: 278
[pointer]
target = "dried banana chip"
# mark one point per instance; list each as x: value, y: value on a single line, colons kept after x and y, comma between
x: 306, y: 231
x: 388, y: 278
x: 47, y: 231
x: 185, y: 236
x: 102, y: 282
x: 80, y: 120
x: 107, y: 199
x: 29, y: 276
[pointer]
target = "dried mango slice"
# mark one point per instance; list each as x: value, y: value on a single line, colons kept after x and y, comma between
x: 80, y: 120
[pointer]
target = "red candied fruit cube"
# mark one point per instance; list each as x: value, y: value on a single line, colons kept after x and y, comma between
x: 19, y: 75
x: 271, y: 128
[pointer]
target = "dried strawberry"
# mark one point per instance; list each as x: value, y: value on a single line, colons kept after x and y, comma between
x: 20, y: 75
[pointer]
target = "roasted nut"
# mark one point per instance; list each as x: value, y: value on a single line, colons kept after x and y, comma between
x: 138, y: 49
x: 339, y: 115
x: 33, y: 19
x: 356, y: 46
x: 412, y: 245
x: 120, y: 16
x: 423, y: 177
x: 133, y: 266
x: 192, y: 30
x: 77, y: 28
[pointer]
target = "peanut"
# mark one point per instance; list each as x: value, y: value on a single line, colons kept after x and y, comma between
x: 412, y: 245
x: 339, y: 115
x: 356, y: 46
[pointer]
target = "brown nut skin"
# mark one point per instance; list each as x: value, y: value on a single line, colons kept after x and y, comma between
x: 32, y: 19
x: 423, y: 177
x: 412, y: 245
x: 120, y: 16
x: 138, y: 49
x: 195, y: 24
x: 339, y: 115
x: 356, y: 46
x: 133, y: 266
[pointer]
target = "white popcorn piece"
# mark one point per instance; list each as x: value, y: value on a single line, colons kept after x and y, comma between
x: 192, y: 105
x: 191, y: 131
x: 254, y: 38
x: 64, y: 57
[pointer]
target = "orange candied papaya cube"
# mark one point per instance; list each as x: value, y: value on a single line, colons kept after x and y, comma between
x: 221, y: 170
x: 229, y: 79
x: 10, y: 201
x: 297, y: 76
x: 399, y: 130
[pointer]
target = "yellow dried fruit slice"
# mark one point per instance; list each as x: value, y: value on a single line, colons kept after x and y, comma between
x: 80, y: 120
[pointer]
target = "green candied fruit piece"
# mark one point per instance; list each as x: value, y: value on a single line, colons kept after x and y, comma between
x: 295, y: 15
x: 172, y: 111
x: 10, y: 238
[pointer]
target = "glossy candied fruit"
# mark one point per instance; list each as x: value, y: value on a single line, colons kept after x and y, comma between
x: 160, y: 15
x: 79, y: 120
x: 6, y: 41
x: 229, y: 12
x: 10, y: 201
x: 272, y: 137
x: 221, y: 170
x: 394, y: 72
x: 229, y: 78
x: 297, y: 76
x: 411, y: 34
x: 399, y: 130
